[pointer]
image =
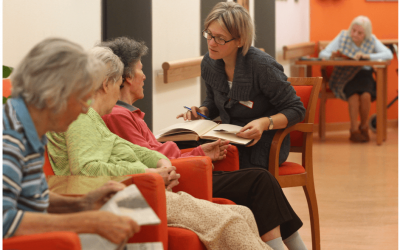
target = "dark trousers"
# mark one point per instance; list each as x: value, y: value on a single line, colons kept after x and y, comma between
x: 258, y: 190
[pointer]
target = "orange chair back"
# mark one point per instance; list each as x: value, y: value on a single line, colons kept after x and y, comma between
x: 47, y: 169
x: 304, y: 92
x: 6, y: 87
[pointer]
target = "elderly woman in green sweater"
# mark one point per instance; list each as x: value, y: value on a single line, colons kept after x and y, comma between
x: 89, y: 148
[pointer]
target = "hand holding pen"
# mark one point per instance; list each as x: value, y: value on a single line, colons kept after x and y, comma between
x: 193, y: 113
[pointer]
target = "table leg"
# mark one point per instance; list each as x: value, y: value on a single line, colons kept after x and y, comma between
x: 385, y: 103
x: 303, y: 71
x: 380, y: 105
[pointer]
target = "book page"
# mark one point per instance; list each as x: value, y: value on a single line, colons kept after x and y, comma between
x: 145, y: 246
x: 231, y: 136
x: 197, y: 126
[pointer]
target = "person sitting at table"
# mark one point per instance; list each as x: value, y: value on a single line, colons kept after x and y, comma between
x: 89, y: 148
x: 254, y: 188
x: 356, y: 85
x: 49, y: 88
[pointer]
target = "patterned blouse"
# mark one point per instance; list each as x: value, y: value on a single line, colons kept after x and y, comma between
x: 89, y: 148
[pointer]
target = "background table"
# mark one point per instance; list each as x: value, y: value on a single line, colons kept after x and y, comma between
x: 381, y: 86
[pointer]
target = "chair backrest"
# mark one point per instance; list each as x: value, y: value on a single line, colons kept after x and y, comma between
x: 6, y: 87
x: 307, y: 88
x: 47, y: 169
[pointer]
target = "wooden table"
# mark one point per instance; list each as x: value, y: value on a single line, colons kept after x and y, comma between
x: 79, y: 185
x: 381, y: 86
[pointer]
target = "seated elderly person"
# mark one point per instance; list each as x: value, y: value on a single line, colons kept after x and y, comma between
x: 49, y: 88
x: 356, y: 85
x: 89, y: 148
x: 254, y: 188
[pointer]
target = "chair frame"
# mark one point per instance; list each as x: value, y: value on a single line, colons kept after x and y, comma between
x: 306, y: 179
x: 324, y: 95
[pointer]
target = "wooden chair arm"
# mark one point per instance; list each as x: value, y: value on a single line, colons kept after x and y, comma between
x: 276, y: 143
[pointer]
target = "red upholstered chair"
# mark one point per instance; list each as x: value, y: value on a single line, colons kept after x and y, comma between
x: 291, y: 174
x: 196, y: 179
x: 44, y: 241
x: 230, y: 163
x: 6, y: 87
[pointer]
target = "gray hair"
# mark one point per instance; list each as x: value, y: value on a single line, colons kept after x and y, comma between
x: 364, y: 22
x: 235, y: 19
x: 128, y: 50
x: 54, y: 70
x: 114, y: 65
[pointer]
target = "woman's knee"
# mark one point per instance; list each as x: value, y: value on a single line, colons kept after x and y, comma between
x: 365, y: 97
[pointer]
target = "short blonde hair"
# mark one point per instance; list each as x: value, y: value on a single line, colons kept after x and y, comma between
x: 364, y: 22
x: 235, y: 19
x: 54, y: 70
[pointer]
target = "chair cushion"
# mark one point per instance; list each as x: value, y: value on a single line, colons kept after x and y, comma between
x: 180, y: 238
x: 288, y: 168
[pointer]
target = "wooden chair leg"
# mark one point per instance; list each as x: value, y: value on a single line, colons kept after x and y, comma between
x: 322, y: 118
x: 309, y: 191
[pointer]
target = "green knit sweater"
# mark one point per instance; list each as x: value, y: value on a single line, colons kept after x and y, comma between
x: 89, y: 148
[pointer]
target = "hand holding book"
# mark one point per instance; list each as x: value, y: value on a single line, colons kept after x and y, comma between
x: 254, y: 130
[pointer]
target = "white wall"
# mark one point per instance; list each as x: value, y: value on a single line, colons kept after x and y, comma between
x: 292, y: 26
x: 176, y: 35
x: 26, y: 23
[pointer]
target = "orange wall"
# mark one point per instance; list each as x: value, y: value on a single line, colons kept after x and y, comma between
x: 329, y: 17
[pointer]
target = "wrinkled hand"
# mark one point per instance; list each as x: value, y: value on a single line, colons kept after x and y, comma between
x: 113, y: 227
x: 216, y: 150
x: 95, y: 199
x: 192, y: 115
x: 336, y: 54
x: 169, y: 175
x: 359, y: 55
x: 253, y: 130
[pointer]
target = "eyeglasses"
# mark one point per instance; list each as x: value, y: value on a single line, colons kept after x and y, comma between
x: 86, y: 105
x: 218, y: 40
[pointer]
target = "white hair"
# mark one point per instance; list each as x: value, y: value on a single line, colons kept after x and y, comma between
x: 54, y: 70
x: 114, y: 65
x: 364, y: 22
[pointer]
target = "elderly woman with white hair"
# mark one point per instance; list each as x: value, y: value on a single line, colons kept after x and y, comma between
x: 356, y: 84
x: 52, y: 85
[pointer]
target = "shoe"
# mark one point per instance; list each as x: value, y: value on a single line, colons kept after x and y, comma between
x: 356, y: 136
x: 364, y: 132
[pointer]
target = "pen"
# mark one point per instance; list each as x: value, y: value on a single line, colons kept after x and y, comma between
x: 200, y: 114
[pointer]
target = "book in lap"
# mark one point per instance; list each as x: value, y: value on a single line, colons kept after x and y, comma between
x: 127, y: 202
x: 201, y: 129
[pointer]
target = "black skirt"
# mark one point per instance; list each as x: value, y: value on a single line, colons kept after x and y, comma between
x: 362, y: 82
x: 258, y: 190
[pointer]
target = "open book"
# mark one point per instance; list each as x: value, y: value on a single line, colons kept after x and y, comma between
x: 204, y: 129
